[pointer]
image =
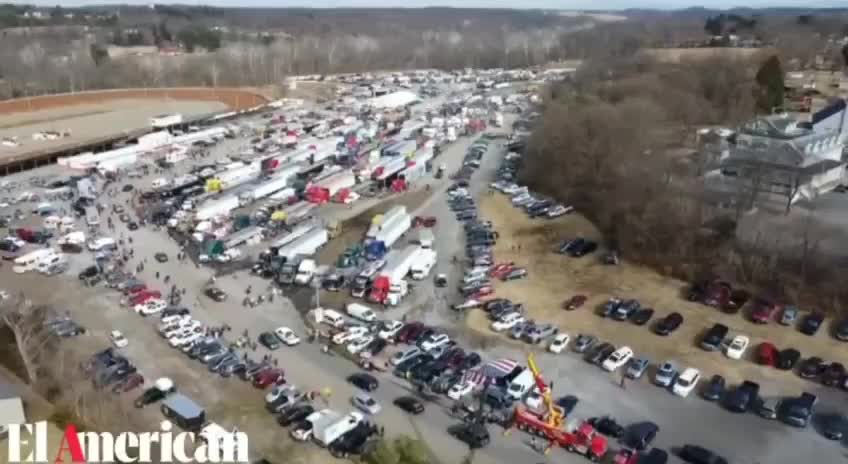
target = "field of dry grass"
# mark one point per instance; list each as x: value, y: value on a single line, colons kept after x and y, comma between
x: 554, y: 278
x: 677, y: 55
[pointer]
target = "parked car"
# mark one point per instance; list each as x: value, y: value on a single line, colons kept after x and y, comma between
x: 363, y: 381
x: 762, y: 310
x: 584, y: 342
x: 840, y: 330
x: 811, y: 323
x: 642, y: 316
x: 600, y: 353
x: 767, y: 409
x: 833, y: 375
x: 811, y: 368
x: 269, y: 340
x: 636, y: 368
x: 409, y: 404
x: 833, y: 426
x: 686, y: 382
x: 694, y: 454
x: 574, y: 302
x: 737, y: 346
x: 366, y: 403
x: 539, y: 333
x: 743, y: 398
x: 669, y: 324
x: 666, y: 373
x: 617, y: 358
x: 797, y: 411
x: 559, y: 343
x: 787, y: 358
x: 766, y: 354
x: 714, y: 389
x: 789, y: 315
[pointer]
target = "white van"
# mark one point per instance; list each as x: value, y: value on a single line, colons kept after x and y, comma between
x: 521, y: 384
x: 332, y: 318
x: 361, y: 312
x: 102, y: 244
x: 29, y: 261
x: 45, y: 264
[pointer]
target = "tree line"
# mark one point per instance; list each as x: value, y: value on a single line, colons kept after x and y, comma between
x: 608, y: 143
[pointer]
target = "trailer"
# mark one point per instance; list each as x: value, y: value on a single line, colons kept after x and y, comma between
x: 331, y: 426
x: 388, y: 167
x: 298, y: 212
x: 394, y: 230
x: 215, y: 207
x: 423, y: 264
x: 234, y: 177
x: 263, y: 189
x: 249, y: 235
x: 380, y: 220
x: 306, y: 245
x: 299, y: 231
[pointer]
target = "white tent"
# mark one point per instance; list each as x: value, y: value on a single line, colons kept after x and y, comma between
x: 394, y: 100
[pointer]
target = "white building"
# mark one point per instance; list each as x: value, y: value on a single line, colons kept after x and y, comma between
x: 783, y: 156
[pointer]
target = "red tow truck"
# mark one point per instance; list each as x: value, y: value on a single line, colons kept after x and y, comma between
x: 581, y: 438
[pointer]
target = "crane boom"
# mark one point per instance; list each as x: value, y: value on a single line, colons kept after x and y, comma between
x: 554, y: 416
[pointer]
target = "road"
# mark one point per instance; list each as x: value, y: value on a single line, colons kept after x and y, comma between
x: 744, y: 439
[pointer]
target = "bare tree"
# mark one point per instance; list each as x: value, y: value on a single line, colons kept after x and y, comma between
x: 27, y: 324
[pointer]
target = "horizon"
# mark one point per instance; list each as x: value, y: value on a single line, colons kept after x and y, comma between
x: 591, y: 6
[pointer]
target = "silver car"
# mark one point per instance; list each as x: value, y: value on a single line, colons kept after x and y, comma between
x: 540, y: 332
x: 366, y: 403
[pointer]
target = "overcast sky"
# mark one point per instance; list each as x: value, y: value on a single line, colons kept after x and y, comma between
x: 553, y: 4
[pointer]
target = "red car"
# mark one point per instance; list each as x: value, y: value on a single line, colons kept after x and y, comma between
x: 268, y: 377
x: 143, y: 296
x: 762, y: 310
x: 625, y: 456
x: 408, y: 332
x: 501, y: 269
x: 483, y: 291
x: 574, y: 302
x: 767, y: 354
x: 132, y: 381
x: 135, y: 289
x: 424, y: 221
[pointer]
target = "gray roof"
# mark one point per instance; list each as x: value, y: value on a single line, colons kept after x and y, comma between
x: 11, y: 405
x: 184, y: 406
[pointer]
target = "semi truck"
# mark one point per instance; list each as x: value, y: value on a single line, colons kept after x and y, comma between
x: 394, y: 230
x: 323, y: 191
x: 306, y: 245
x: 381, y: 220
x: 298, y: 231
x: 215, y: 207
x: 390, y: 285
x: 423, y: 264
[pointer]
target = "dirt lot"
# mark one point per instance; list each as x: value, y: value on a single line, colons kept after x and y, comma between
x: 353, y: 230
x: 555, y: 278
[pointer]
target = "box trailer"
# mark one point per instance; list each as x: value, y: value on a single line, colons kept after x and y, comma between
x: 234, y: 177
x: 389, y: 286
x: 330, y: 427
x: 388, y: 168
x: 298, y: 231
x: 306, y: 245
x: 393, y: 231
x: 423, y: 264
x: 215, y: 207
x: 380, y: 220
x: 263, y: 189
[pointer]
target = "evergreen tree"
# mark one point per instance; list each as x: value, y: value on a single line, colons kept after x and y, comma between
x: 770, y: 85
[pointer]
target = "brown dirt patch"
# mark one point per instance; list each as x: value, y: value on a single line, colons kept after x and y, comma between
x: 677, y: 55
x: 234, y: 98
x: 555, y: 278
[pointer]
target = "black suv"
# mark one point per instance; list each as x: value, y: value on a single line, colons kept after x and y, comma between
x: 694, y: 454
x: 811, y: 324
x: 668, y: 324
x: 474, y: 435
x: 743, y: 397
x: 797, y: 411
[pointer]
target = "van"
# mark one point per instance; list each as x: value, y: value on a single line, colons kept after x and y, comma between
x: 361, y: 312
x: 45, y: 264
x: 29, y: 261
x: 426, y: 238
x: 521, y: 384
x: 332, y: 318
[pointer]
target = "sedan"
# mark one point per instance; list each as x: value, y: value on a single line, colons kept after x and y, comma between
x: 363, y: 381
x: 736, y: 348
x: 714, y: 389
x: 366, y: 403
x: 118, y: 339
x: 787, y: 358
x: 642, y: 316
x: 410, y: 404
x: 161, y: 257
x: 669, y: 324
x: 559, y: 343
x: 617, y: 359
x: 584, y: 342
x: 833, y: 374
x: 811, y: 324
x: 833, y: 426
x: 575, y: 302
x: 811, y: 368
x: 636, y: 368
x: 269, y: 340
x: 287, y: 336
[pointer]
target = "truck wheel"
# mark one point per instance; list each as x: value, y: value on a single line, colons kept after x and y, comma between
x: 592, y: 457
x: 569, y: 448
